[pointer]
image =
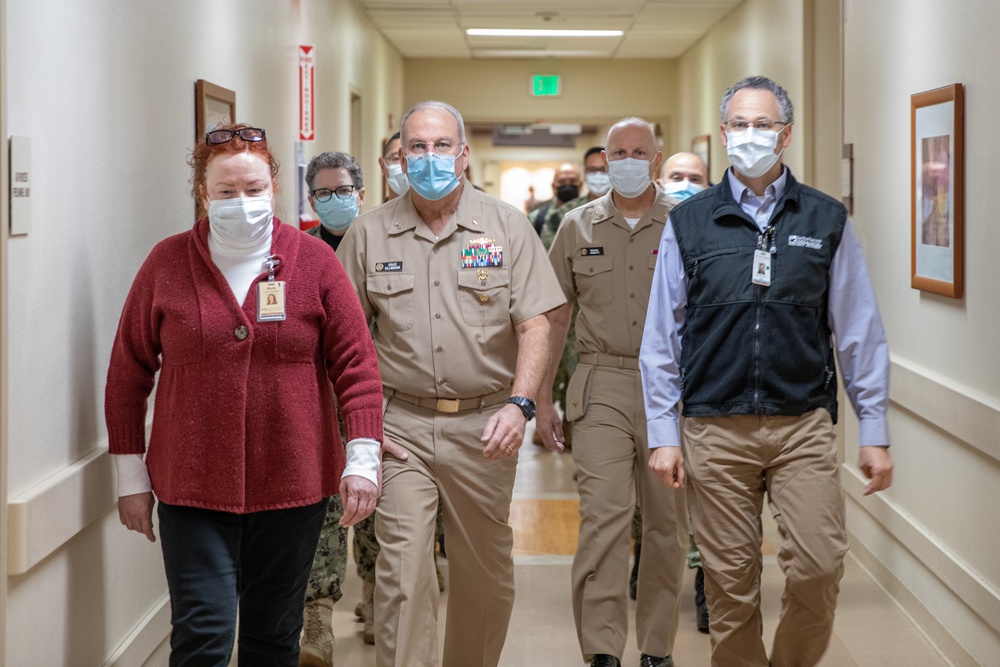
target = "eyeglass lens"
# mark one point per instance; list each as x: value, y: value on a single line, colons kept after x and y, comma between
x: 250, y: 134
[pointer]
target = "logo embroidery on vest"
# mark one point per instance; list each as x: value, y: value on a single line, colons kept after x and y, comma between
x: 805, y: 242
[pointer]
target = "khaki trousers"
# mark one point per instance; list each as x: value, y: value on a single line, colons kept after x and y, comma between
x: 446, y: 465
x: 611, y: 454
x: 731, y: 463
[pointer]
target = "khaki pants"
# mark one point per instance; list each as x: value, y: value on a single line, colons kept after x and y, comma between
x: 731, y: 462
x: 446, y: 465
x: 611, y: 454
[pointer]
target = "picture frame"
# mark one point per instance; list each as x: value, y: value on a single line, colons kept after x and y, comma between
x: 702, y: 147
x: 212, y: 105
x: 937, y: 187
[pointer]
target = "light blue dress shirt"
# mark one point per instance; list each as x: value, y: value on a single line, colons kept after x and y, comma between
x: 862, y: 350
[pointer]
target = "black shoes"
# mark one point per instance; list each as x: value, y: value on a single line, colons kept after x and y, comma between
x: 650, y: 661
x: 605, y: 660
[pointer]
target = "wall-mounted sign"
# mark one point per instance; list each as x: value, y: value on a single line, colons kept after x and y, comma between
x: 307, y: 100
x: 20, y: 185
x: 545, y: 85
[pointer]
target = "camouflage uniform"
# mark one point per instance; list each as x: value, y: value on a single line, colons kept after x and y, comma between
x: 365, y: 548
x: 330, y: 563
x: 547, y: 232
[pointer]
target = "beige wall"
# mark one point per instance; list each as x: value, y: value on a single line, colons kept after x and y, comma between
x: 935, y: 538
x: 105, y: 91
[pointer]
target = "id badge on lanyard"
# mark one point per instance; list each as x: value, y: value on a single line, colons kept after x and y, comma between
x: 760, y: 273
x: 271, y: 295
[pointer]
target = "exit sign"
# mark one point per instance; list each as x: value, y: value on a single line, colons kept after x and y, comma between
x: 545, y: 85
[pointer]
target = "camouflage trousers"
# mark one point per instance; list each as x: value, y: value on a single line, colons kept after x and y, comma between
x: 330, y: 563
x: 693, y: 555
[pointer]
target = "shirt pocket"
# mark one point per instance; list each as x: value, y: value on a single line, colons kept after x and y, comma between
x: 593, y: 280
x: 392, y: 296
x: 485, y: 300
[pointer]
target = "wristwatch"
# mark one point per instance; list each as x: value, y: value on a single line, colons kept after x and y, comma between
x: 526, y: 404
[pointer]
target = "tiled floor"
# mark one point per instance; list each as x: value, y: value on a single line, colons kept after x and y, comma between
x: 870, y: 631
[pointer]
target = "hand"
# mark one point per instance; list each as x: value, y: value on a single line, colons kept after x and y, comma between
x: 876, y: 464
x: 359, y: 496
x: 392, y: 449
x: 668, y: 464
x: 136, y: 513
x: 549, y: 426
x: 504, y: 433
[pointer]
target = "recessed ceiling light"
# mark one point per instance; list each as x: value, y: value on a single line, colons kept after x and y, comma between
x: 504, y: 32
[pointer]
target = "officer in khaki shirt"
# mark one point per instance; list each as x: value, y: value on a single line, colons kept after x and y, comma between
x: 456, y: 285
x: 604, y: 256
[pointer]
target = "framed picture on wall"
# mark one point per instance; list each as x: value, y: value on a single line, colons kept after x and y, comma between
x: 937, y: 185
x: 212, y: 105
x: 702, y: 147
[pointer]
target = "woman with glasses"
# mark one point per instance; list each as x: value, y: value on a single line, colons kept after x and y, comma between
x: 244, y: 450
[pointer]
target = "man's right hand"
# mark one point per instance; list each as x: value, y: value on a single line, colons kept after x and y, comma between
x: 668, y: 464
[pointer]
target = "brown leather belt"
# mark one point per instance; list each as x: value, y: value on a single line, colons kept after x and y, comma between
x: 611, y: 360
x: 451, y: 404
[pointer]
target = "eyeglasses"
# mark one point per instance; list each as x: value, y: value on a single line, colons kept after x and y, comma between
x: 762, y: 125
x: 248, y: 134
x: 343, y: 192
x: 421, y: 147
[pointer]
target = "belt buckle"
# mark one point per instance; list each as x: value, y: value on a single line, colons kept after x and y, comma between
x: 448, y: 404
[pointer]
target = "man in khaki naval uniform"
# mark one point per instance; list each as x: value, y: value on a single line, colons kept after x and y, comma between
x: 604, y: 256
x: 456, y: 285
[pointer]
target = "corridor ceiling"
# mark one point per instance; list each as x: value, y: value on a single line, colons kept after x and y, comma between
x: 652, y: 28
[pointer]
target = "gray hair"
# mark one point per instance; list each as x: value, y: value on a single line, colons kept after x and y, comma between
x: 633, y: 120
x: 334, y: 160
x: 760, y: 83
x: 439, y: 106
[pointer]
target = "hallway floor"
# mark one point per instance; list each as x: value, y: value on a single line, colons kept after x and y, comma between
x: 870, y: 630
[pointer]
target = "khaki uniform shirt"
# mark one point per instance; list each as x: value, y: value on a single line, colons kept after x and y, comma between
x: 443, y: 310
x: 608, y: 269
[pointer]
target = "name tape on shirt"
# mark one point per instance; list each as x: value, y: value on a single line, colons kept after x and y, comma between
x: 388, y: 266
x: 592, y: 252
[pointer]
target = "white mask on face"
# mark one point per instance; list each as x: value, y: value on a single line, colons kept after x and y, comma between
x: 598, y: 183
x: 397, y: 179
x: 751, y: 152
x: 241, y: 219
x: 629, y: 176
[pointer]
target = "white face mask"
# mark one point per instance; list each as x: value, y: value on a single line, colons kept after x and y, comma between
x: 598, y: 183
x: 751, y: 152
x: 630, y: 176
x: 397, y: 179
x: 241, y: 219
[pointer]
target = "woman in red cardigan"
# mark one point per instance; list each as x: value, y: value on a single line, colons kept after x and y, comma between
x: 253, y: 328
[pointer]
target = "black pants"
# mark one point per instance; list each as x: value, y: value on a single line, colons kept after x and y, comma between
x: 217, y: 562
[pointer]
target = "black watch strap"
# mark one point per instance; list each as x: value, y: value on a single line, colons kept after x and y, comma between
x: 526, y: 404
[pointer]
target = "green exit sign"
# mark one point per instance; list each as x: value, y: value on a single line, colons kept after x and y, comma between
x: 545, y: 85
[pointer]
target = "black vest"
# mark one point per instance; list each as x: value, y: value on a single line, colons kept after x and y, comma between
x: 750, y: 349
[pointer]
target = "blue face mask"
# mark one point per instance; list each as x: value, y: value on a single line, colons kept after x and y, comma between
x: 431, y: 175
x: 337, y: 214
x: 681, y: 190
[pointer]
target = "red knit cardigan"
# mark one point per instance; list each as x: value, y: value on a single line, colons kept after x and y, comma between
x: 244, y: 417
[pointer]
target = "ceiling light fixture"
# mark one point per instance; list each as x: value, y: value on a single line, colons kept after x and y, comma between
x: 505, y: 32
